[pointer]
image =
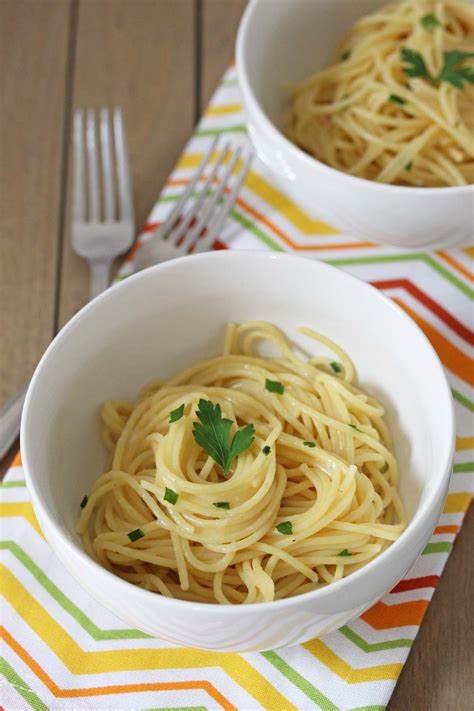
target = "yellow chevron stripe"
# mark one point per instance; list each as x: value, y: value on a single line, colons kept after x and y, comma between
x: 464, y: 443
x: 469, y: 251
x: 79, y: 661
x: 223, y: 110
x: 278, y: 200
x: 344, y: 670
x: 20, y: 508
x: 457, y: 503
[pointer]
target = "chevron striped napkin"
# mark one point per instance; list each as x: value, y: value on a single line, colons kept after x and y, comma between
x: 61, y: 650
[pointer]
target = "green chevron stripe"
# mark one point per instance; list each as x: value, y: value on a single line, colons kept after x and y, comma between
x: 219, y: 131
x: 300, y: 682
x: 463, y: 467
x: 21, y: 686
x: 374, y: 646
x: 67, y: 604
x: 410, y: 257
x: 441, y: 547
x: 13, y: 484
x: 462, y: 400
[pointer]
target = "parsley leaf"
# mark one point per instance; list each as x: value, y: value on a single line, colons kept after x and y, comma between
x: 266, y: 450
x: 170, y: 496
x: 345, y: 55
x: 286, y: 527
x: 274, y: 386
x: 335, y: 366
x: 430, y: 22
x: 310, y: 444
x: 212, y: 433
x: 221, y: 504
x: 395, y: 99
x: 450, y: 72
x: 356, y: 429
x: 344, y: 553
x: 409, y: 165
x: 84, y: 502
x: 136, y: 534
x: 177, y: 414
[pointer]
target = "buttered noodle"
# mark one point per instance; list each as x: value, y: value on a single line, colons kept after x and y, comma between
x: 363, y: 115
x: 321, y: 464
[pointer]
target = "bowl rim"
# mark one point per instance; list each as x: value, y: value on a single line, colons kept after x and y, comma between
x: 433, y: 501
x: 310, y: 161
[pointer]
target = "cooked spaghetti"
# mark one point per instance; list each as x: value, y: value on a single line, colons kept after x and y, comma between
x: 308, y: 496
x: 396, y: 105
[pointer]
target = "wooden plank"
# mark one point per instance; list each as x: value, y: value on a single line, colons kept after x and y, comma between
x: 34, y: 40
x: 140, y: 55
x: 220, y: 21
x: 438, y: 674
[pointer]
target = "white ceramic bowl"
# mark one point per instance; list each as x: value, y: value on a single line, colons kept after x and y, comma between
x: 281, y: 42
x: 172, y: 315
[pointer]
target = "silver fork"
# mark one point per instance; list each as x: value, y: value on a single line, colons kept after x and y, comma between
x: 195, y: 220
x: 101, y: 233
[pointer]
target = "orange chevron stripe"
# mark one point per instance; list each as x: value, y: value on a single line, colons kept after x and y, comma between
x: 115, y: 688
x: 17, y: 461
x: 446, y: 529
x: 176, y: 182
x: 382, y: 617
x: 458, y: 267
x: 453, y: 358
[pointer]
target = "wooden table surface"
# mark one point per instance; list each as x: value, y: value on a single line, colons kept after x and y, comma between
x: 160, y: 60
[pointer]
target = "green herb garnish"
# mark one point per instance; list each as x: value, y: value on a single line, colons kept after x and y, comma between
x: 136, y: 534
x: 395, y: 99
x: 409, y: 165
x: 170, y: 496
x: 430, y: 22
x: 177, y: 414
x: 345, y: 552
x: 221, y: 504
x: 84, y: 502
x: 266, y: 450
x: 450, y: 71
x: 286, y: 527
x: 335, y: 366
x: 309, y: 444
x: 274, y: 386
x: 345, y: 55
x: 356, y: 429
x: 212, y: 433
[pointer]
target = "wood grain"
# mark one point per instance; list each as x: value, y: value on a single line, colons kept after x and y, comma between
x: 34, y: 43
x: 220, y: 20
x: 139, y: 55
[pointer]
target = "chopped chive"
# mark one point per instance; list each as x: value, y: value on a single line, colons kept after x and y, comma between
x: 429, y: 22
x: 397, y: 99
x: 274, y: 386
x: 309, y: 444
x: 409, y: 165
x: 335, y: 366
x: 221, y: 504
x: 266, y: 450
x: 345, y: 55
x: 84, y: 502
x: 170, y: 496
x: 344, y: 553
x: 356, y: 429
x: 136, y: 534
x: 286, y: 527
x: 177, y: 414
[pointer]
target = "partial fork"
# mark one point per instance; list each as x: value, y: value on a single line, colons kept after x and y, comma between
x: 101, y: 234
x: 193, y: 228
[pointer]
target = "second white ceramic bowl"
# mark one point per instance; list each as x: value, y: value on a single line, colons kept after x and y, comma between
x: 170, y: 316
x: 281, y: 42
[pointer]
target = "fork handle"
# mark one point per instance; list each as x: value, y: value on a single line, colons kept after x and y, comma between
x: 99, y: 278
